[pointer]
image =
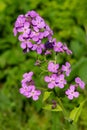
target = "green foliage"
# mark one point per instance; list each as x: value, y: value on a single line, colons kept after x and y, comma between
x: 68, y: 19
x: 75, y: 113
x: 49, y: 108
x: 46, y: 95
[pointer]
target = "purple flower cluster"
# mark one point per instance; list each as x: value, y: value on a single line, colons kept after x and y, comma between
x: 72, y: 91
x: 60, y: 47
x: 57, y: 47
x: 28, y: 88
x: 57, y: 77
x: 32, y: 29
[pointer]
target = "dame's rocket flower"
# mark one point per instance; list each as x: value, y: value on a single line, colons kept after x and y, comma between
x: 66, y: 68
x: 60, y: 81
x: 28, y: 88
x: 30, y: 91
x: 50, y: 80
x: 71, y: 92
x: 52, y: 67
x: 80, y: 83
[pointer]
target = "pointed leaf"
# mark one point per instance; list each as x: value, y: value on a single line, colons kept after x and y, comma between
x: 75, y: 113
x: 46, y: 95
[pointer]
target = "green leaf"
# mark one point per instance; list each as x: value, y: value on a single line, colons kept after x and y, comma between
x: 80, y: 65
x: 2, y: 6
x: 46, y: 95
x: 77, y: 48
x: 75, y: 113
x: 49, y: 108
x: 82, y: 72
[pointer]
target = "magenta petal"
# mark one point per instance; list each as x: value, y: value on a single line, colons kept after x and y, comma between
x: 29, y: 96
x: 35, y: 97
x: 26, y: 24
x: 29, y: 44
x: 76, y: 94
x: 15, y: 31
x: 38, y: 92
x: 77, y: 80
x: 61, y: 85
x: 67, y: 92
x: 20, y: 38
x: 47, y: 79
x: 51, y: 85
x: 68, y: 64
x: 23, y: 45
x: 21, y: 90
x: 39, y: 50
x: 82, y: 85
x: 72, y: 87
x: 34, y: 47
x: 70, y: 97
x: 36, y: 29
x: 35, y: 38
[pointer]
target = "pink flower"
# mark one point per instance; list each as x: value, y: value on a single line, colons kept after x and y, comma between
x: 66, y: 49
x: 39, y: 47
x: 52, y: 67
x: 71, y: 92
x: 48, y: 32
x: 20, y: 21
x: 25, y: 29
x: 66, y: 68
x: 30, y: 91
x: 33, y: 93
x: 27, y: 78
x: 60, y: 81
x: 58, y: 47
x: 31, y: 14
x: 36, y: 36
x: 50, y: 80
x: 39, y: 22
x: 80, y: 82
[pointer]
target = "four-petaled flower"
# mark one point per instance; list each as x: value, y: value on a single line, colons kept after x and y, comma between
x: 30, y: 91
x: 58, y: 47
x: 71, y: 92
x: 66, y: 49
x: 66, y: 68
x: 52, y: 67
x: 38, y: 47
x: 25, y: 29
x: 36, y: 36
x: 80, y: 83
x: 39, y: 22
x: 60, y: 81
x: 50, y: 80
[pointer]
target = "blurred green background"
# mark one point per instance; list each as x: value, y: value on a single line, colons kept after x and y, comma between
x: 68, y: 19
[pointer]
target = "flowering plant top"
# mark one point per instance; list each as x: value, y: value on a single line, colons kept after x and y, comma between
x: 35, y: 35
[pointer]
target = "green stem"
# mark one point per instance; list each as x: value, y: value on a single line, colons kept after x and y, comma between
x: 64, y: 111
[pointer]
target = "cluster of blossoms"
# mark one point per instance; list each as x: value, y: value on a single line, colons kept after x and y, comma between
x: 72, y: 91
x: 57, y: 77
x: 57, y: 47
x: 28, y: 88
x: 35, y: 35
x: 31, y: 30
